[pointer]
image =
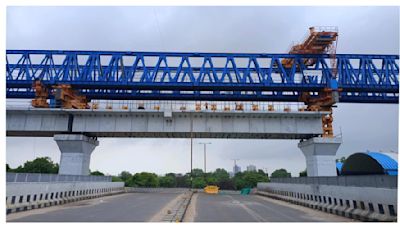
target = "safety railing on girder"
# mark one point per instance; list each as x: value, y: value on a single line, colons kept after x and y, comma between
x: 183, y: 106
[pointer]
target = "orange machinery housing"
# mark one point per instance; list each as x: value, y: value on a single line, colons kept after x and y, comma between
x: 321, y: 40
x: 64, y: 96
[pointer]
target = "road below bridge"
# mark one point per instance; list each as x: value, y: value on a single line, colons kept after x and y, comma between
x: 129, y: 207
x: 144, y: 207
x: 251, y: 208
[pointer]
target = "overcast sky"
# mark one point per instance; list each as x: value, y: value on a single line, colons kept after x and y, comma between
x: 362, y: 30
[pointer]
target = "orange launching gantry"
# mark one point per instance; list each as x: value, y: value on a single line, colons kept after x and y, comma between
x: 321, y: 40
x: 41, y: 94
x: 69, y: 98
x: 64, y: 97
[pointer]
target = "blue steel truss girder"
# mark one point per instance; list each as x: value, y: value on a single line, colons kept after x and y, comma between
x: 124, y: 75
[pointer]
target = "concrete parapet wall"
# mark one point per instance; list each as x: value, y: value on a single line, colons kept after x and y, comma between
x: 375, y: 181
x: 23, y: 196
x: 361, y: 203
x: 46, y: 177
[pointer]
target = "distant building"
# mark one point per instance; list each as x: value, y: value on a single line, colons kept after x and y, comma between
x: 251, y: 168
x: 236, y: 169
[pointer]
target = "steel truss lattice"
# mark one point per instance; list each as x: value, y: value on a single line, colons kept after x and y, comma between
x: 202, y: 76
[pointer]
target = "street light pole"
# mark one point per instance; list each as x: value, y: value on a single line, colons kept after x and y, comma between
x: 205, y: 156
x: 191, y: 153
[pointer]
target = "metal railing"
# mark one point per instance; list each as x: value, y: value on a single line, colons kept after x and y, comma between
x: 42, y: 177
x: 223, y: 106
x: 375, y: 181
x: 326, y: 29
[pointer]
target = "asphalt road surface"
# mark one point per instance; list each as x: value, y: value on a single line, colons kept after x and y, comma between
x: 144, y: 207
x: 130, y: 207
x: 252, y: 208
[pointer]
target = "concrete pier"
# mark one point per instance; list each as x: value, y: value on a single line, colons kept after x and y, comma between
x: 75, y: 153
x: 320, y: 155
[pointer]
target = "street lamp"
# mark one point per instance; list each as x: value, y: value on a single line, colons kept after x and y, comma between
x: 205, y: 151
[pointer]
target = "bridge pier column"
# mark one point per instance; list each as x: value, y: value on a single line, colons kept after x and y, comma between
x: 75, y: 153
x: 320, y: 155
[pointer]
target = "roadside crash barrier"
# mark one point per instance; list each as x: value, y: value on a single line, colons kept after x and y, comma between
x: 22, y: 196
x: 360, y: 203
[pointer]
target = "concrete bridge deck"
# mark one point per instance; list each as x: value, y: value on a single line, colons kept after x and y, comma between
x: 25, y: 121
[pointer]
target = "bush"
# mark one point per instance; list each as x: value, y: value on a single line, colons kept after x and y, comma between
x: 116, y: 179
x: 167, y: 181
x: 199, y: 182
x: 39, y: 165
x: 280, y: 173
x: 144, y: 179
x: 96, y: 173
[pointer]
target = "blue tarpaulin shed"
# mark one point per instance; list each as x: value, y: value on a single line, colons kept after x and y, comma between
x: 368, y: 163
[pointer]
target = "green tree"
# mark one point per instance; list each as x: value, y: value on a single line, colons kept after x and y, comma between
x: 226, y: 184
x: 125, y: 176
x: 221, y: 175
x: 171, y: 175
x: 96, y: 173
x: 249, y: 179
x: 183, y: 181
x: 199, y: 182
x: 144, y: 179
x: 39, y: 165
x: 239, y: 181
x: 303, y: 173
x: 280, y: 173
x: 260, y: 171
x: 19, y: 169
x: 167, y: 181
x: 197, y: 173
x: 116, y: 179
x: 211, y: 180
x: 7, y: 168
x: 252, y: 178
x: 221, y: 179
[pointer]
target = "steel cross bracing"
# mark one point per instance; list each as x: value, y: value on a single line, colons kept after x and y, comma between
x: 202, y: 76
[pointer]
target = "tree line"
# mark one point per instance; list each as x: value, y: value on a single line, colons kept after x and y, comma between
x: 198, y: 179
x: 219, y: 177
